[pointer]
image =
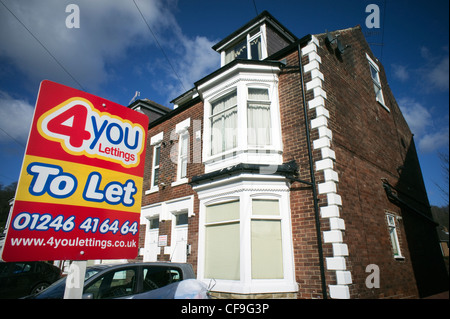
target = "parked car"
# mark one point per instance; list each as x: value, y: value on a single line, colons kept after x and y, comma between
x: 131, y: 280
x: 18, y: 279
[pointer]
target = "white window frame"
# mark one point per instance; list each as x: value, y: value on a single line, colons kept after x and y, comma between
x: 247, y: 38
x: 376, y: 81
x: 244, y: 189
x: 181, y: 130
x: 155, y: 142
x: 237, y: 79
x: 393, y: 235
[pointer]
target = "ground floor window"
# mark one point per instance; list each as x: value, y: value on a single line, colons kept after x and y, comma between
x: 222, y: 253
x: 245, y: 240
x: 266, y: 240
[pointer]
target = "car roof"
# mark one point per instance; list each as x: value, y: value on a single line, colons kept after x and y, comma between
x: 158, y: 263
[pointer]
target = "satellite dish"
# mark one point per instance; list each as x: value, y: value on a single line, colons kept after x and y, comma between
x: 330, y: 38
x: 341, y: 47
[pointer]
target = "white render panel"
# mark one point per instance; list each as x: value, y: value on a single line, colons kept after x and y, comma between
x: 324, y: 164
x: 319, y: 121
x: 328, y: 153
x: 311, y: 66
x: 344, y: 277
x: 334, y: 199
x: 321, y: 142
x: 339, y: 292
x: 337, y: 223
x: 330, y: 175
x: 336, y: 263
x: 313, y: 84
x: 317, y: 101
x: 340, y: 249
x: 329, y: 211
x: 332, y: 236
x: 327, y: 187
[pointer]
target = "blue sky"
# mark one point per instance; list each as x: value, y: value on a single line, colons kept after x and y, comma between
x: 113, y: 54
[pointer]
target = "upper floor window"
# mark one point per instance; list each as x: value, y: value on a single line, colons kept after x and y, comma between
x: 249, y: 48
x: 258, y: 117
x: 155, y: 142
x: 375, y: 73
x: 242, y: 117
x: 155, y: 166
x: 224, y: 123
x: 394, y: 236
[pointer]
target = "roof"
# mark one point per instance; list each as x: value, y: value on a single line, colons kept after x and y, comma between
x: 263, y: 16
x: 149, y: 104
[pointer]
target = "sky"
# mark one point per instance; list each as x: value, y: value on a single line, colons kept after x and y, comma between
x: 159, y: 48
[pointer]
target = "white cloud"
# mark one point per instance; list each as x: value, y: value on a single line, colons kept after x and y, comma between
x: 109, y: 31
x: 420, y: 120
x: 439, y: 74
x: 15, y: 119
x: 400, y: 72
x: 433, y: 141
x: 416, y: 115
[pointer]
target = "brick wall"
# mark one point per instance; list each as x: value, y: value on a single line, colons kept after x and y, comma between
x: 168, y: 173
x: 370, y: 144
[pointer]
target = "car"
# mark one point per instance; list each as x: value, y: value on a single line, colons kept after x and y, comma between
x: 19, y: 279
x: 128, y: 281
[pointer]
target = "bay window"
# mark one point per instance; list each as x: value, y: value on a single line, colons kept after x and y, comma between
x: 245, y: 240
x: 242, y: 116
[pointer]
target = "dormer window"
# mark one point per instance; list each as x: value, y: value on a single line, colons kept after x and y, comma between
x: 249, y: 48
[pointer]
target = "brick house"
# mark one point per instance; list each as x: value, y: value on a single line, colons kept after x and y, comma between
x: 291, y: 172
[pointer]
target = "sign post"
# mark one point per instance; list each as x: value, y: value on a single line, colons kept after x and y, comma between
x: 80, y: 189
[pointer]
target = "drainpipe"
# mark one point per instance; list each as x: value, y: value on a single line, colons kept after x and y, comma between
x: 313, y: 178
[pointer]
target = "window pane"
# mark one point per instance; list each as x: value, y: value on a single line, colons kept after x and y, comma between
x: 267, y: 253
x: 258, y: 94
x: 222, y: 259
x: 182, y: 219
x: 255, y: 49
x: 222, y: 212
x: 224, y: 103
x: 183, y: 168
x: 157, y: 153
x: 374, y: 74
x: 239, y: 51
x: 156, y: 177
x: 154, y: 223
x: 156, y: 277
x: 265, y: 207
x: 258, y: 124
x: 392, y: 234
x: 114, y: 284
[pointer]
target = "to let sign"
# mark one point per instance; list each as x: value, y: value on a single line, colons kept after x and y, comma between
x: 80, y: 188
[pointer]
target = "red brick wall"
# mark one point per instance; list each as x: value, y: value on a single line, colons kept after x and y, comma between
x: 168, y: 173
x: 368, y: 143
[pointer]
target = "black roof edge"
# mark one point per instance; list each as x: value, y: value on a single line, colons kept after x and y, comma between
x: 286, y: 169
